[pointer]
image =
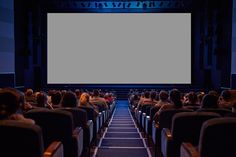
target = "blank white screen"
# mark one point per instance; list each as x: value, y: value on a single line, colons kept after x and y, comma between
x: 145, y: 48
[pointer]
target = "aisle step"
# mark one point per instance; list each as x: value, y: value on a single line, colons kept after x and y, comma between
x: 122, y: 138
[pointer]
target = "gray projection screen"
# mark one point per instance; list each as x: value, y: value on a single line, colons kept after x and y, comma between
x: 119, y: 48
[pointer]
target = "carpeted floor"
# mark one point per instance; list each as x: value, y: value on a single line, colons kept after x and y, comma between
x: 122, y: 138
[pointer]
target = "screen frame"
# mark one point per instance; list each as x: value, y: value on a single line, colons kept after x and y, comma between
x: 123, y: 85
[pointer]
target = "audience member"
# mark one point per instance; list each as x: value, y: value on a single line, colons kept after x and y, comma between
x: 163, y: 99
x: 84, y: 102
x: 98, y: 101
x: 209, y: 101
x: 191, y: 99
x: 56, y: 99
x: 10, y: 105
x: 224, y: 100
x: 29, y: 96
x: 175, y: 99
x: 69, y: 99
x: 42, y: 100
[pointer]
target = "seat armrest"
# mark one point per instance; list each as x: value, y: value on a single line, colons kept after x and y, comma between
x: 188, y: 150
x: 77, y: 139
x: 55, y: 149
x: 147, y: 124
x: 166, y: 142
x: 90, y: 125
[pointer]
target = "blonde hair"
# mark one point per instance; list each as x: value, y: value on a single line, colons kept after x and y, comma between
x: 84, y: 99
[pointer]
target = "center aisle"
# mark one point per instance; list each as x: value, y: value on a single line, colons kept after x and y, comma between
x: 122, y: 138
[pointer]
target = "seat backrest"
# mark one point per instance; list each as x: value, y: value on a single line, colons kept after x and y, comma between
x: 20, y: 139
x: 144, y: 108
x: 218, y: 138
x: 186, y: 126
x: 148, y: 109
x: 90, y: 113
x: 165, y: 117
x: 220, y: 111
x: 56, y: 125
x: 79, y: 116
x: 153, y: 111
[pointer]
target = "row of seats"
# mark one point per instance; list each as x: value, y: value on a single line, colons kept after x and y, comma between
x: 63, y: 132
x: 175, y: 127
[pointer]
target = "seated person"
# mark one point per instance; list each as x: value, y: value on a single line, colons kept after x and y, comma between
x: 98, y: 101
x: 209, y: 101
x: 42, y: 100
x: 69, y: 99
x: 29, y: 96
x: 10, y: 104
x: 146, y: 100
x: 56, y: 99
x: 175, y: 101
x: 163, y: 99
x: 84, y: 102
x: 191, y: 99
x: 224, y: 100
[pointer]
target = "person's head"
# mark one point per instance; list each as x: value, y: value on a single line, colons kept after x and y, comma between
x: 163, y: 95
x: 153, y: 95
x: 9, y: 102
x: 96, y: 93
x: 69, y: 100
x: 200, y: 96
x: 56, y: 98
x: 175, y: 97
x: 209, y: 101
x: 29, y: 92
x: 41, y: 99
x: 84, y: 99
x: 226, y: 95
x: 147, y: 94
x: 136, y: 97
x: 213, y: 92
x: 78, y: 93
x: 192, y: 97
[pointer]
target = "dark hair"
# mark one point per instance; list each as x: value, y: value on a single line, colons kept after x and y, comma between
x: 153, y: 95
x: 78, y: 92
x: 95, y: 92
x: 192, y: 97
x: 163, y: 95
x: 9, y: 102
x: 226, y: 95
x: 56, y: 98
x: 147, y: 94
x: 41, y: 99
x: 136, y: 97
x: 214, y: 93
x: 69, y: 100
x: 175, y: 97
x: 29, y: 92
x: 209, y: 101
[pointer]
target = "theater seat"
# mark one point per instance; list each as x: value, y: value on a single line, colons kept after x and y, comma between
x: 80, y: 120
x: 58, y: 125
x: 91, y: 115
x: 20, y: 139
x: 217, y: 139
x: 220, y: 111
x: 185, y: 128
x: 149, y: 119
x: 164, y: 121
